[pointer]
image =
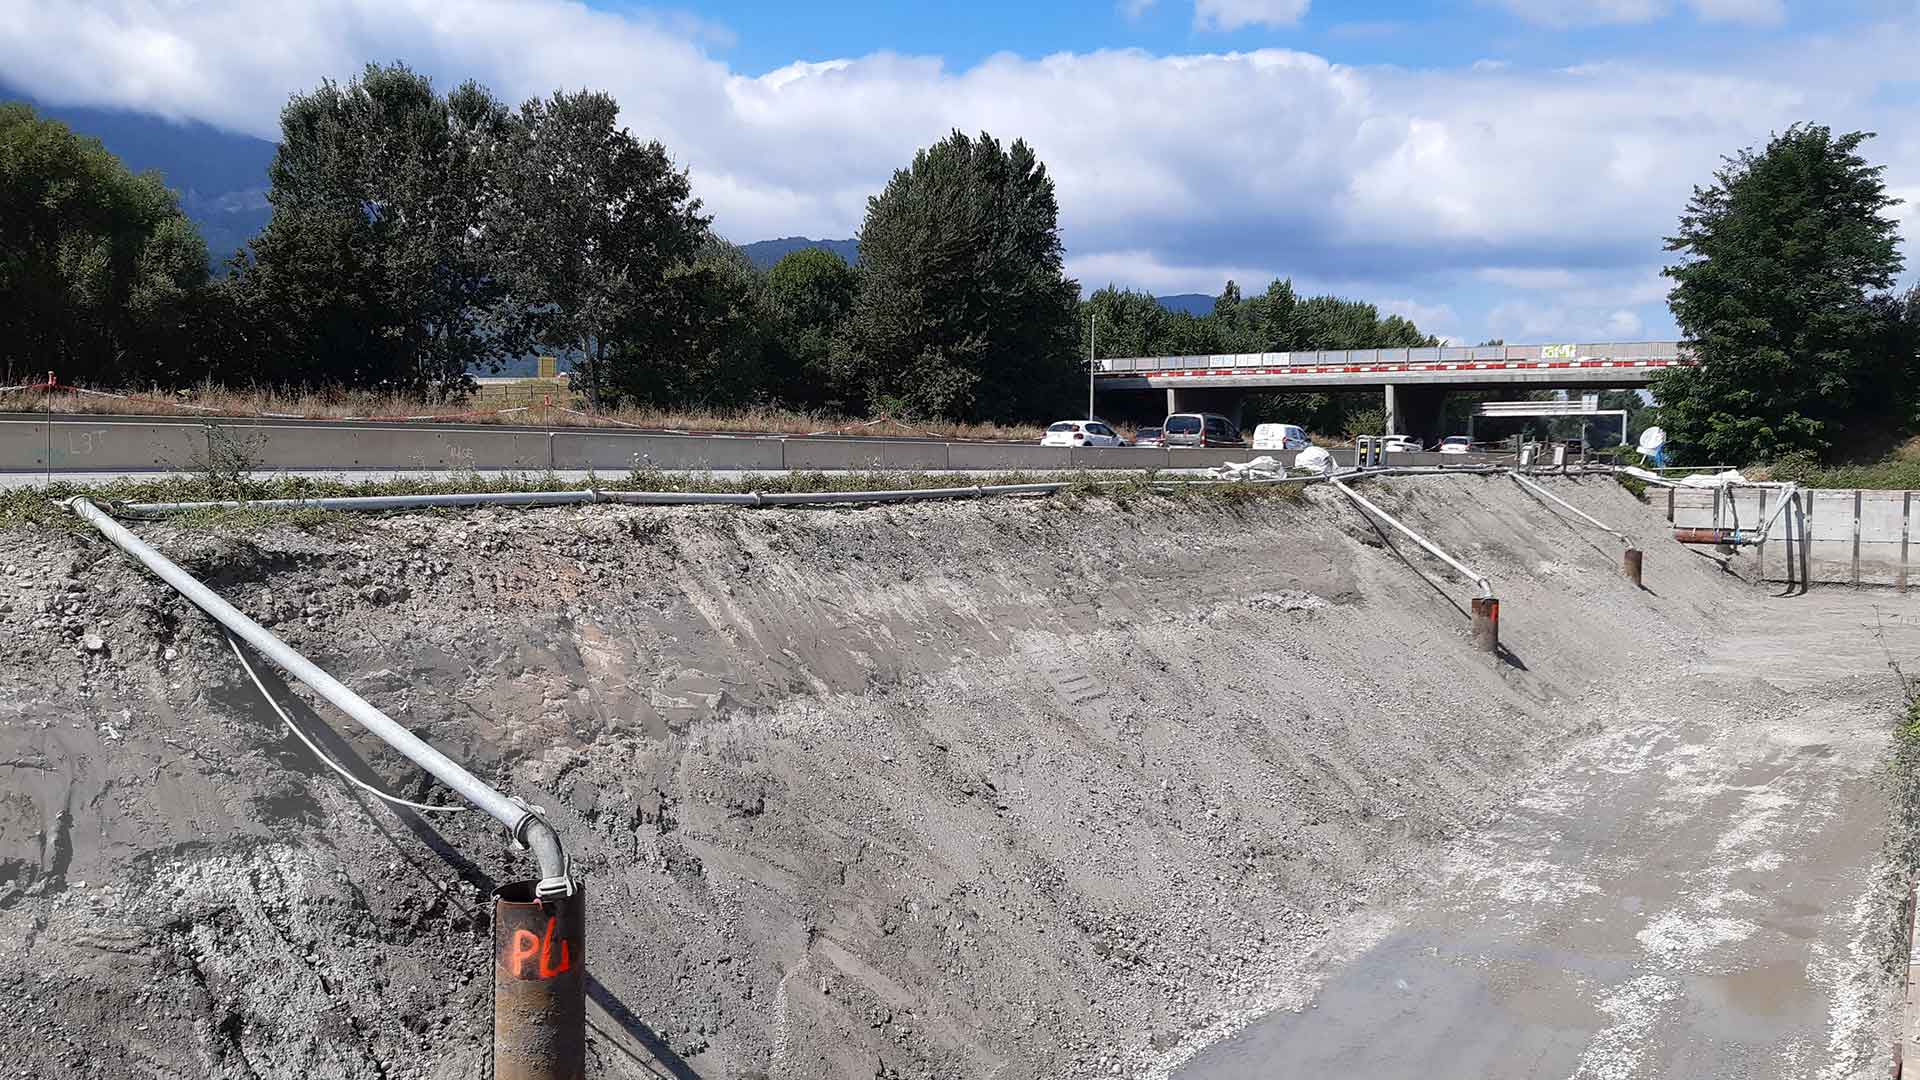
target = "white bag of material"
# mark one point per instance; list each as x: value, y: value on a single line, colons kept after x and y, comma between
x: 1731, y: 476
x: 1314, y: 460
x: 1260, y: 468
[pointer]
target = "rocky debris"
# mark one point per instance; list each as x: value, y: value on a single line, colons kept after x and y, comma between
x: 927, y: 791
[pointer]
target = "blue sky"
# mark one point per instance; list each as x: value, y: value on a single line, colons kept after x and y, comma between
x: 1487, y: 167
x: 758, y: 35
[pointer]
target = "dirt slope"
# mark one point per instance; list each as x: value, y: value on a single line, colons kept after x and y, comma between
x: 1007, y: 789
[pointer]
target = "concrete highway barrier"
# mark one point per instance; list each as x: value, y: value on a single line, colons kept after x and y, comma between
x: 128, y: 445
x: 836, y: 454
x: 349, y: 447
x: 610, y: 452
x: 100, y: 446
x: 1009, y: 456
x: 1118, y: 457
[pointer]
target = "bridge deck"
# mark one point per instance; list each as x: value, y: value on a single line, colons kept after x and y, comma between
x: 1597, y: 364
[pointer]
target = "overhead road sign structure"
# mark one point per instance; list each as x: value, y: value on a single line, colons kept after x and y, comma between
x: 1584, y: 406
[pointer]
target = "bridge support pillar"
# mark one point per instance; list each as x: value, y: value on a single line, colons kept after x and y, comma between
x: 1225, y: 400
x: 1416, y: 411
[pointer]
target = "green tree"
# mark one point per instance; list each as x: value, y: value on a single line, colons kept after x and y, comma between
x: 808, y: 296
x: 963, y: 310
x: 380, y: 264
x: 601, y: 222
x: 100, y: 272
x: 1781, y: 258
x: 703, y: 344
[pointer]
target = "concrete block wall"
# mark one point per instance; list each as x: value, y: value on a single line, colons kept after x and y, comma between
x: 1853, y: 537
x: 125, y: 445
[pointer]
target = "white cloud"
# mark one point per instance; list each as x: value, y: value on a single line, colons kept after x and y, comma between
x: 1455, y: 185
x: 1564, y: 13
x: 1524, y: 321
x: 1436, y: 319
x: 1133, y: 9
x: 1143, y: 271
x: 1237, y: 14
x: 1570, y: 13
x: 1753, y: 12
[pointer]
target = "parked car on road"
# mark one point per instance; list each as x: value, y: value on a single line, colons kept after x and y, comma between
x: 1456, y: 444
x: 1148, y: 436
x: 1081, y: 433
x: 1200, y: 429
x: 1280, y: 437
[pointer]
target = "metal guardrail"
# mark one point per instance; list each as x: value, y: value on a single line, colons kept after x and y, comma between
x: 1570, y: 353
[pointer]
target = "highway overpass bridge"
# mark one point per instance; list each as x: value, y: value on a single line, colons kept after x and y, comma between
x: 1415, y: 381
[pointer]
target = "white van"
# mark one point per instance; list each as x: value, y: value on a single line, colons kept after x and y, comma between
x: 1280, y: 437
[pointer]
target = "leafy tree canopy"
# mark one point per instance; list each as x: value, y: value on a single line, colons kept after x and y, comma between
x: 964, y: 310
x: 99, y: 269
x: 1782, y: 260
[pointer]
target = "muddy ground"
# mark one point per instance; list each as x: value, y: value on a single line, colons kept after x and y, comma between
x: 1009, y: 789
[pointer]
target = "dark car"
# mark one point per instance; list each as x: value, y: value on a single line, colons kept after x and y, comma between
x: 1200, y: 429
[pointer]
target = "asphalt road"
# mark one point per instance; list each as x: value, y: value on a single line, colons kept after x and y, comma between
x: 1686, y: 895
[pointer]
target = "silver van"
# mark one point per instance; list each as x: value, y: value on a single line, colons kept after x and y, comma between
x: 1200, y: 429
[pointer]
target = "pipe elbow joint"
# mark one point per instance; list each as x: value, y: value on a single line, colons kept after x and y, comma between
x: 534, y: 833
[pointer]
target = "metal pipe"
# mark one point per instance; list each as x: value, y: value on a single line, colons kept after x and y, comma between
x: 1705, y: 536
x: 747, y: 498
x: 1486, y: 624
x: 378, y: 502
x: 1589, y: 518
x: 539, y: 984
x: 523, y: 822
x: 1486, y: 587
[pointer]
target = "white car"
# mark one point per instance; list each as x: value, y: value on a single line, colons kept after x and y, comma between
x: 1456, y: 444
x: 1280, y: 437
x: 1400, y: 444
x: 1081, y: 433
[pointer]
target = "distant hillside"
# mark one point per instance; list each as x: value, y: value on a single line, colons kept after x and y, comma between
x: 764, y: 253
x: 1192, y: 303
x: 221, y: 178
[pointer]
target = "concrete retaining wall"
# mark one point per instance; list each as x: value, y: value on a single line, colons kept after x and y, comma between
x: 616, y: 453
x: 141, y: 446
x: 1825, y: 536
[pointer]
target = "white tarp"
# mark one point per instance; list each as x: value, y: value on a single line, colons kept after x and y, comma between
x: 1314, y: 460
x: 1260, y: 468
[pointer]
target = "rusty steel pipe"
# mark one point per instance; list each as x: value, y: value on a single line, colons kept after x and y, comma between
x: 1704, y: 536
x: 539, y: 984
x: 1486, y: 624
x: 1631, y: 563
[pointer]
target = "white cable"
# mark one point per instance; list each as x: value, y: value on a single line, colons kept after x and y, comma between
x: 331, y: 764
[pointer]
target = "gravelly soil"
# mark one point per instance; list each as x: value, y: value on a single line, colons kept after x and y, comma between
x: 1008, y: 789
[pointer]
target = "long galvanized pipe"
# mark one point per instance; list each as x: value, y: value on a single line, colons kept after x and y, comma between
x: 1589, y: 518
x: 653, y: 498
x: 1486, y: 587
x: 525, y: 826
x: 746, y: 498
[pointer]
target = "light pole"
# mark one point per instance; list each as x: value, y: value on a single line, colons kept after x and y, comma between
x: 1091, y: 325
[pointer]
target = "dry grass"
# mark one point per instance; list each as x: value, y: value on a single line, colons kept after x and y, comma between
x: 488, y: 408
